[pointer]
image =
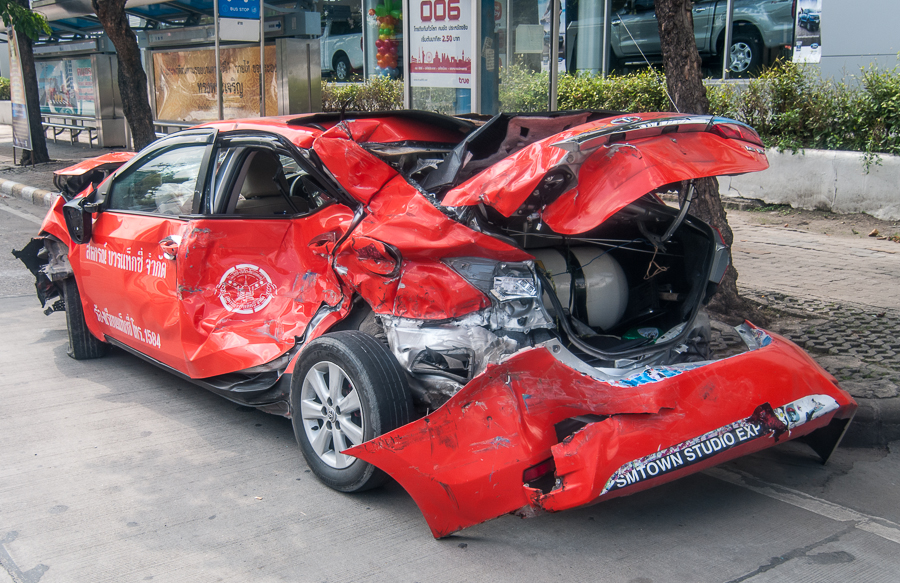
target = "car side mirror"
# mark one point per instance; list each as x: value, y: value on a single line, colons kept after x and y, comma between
x: 77, y: 213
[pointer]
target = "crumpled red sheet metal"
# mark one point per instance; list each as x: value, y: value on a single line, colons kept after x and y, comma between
x: 424, y: 288
x: 612, y: 177
x: 464, y: 463
x: 91, y: 163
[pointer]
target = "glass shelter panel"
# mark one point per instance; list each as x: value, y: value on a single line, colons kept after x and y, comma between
x: 384, y: 38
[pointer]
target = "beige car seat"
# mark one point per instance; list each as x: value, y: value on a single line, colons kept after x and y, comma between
x: 265, y: 186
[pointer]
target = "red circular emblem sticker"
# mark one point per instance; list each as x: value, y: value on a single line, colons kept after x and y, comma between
x: 245, y: 289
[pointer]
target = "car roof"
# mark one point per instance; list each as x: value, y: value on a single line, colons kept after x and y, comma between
x: 394, y: 126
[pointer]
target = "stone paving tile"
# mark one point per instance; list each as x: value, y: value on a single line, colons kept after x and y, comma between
x: 807, y: 264
x: 858, y: 344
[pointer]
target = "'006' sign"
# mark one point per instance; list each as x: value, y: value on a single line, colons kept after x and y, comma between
x: 439, y: 10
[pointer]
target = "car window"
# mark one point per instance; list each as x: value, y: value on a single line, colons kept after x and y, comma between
x: 164, y: 184
x: 272, y: 184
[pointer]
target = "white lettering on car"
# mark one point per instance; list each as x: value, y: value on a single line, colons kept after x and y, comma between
x: 126, y: 261
x: 765, y: 421
x: 125, y: 324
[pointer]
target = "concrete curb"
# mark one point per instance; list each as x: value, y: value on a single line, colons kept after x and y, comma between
x: 36, y: 196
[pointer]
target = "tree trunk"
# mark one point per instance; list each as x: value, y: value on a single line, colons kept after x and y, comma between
x: 684, y: 82
x: 38, y: 152
x: 132, y: 79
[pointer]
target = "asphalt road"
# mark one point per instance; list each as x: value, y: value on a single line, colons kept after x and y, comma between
x: 114, y: 471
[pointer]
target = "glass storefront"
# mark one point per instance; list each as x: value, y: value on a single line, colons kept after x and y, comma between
x: 762, y: 31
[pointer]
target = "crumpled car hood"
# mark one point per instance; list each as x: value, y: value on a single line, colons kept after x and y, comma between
x: 616, y: 162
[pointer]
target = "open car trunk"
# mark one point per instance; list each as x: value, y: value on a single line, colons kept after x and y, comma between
x: 588, y: 374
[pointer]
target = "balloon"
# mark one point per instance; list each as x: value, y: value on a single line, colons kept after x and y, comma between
x: 382, y: 37
x: 396, y: 14
x: 371, y: 12
x: 381, y: 10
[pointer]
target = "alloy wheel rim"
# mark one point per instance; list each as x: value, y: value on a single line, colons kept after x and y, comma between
x: 741, y: 56
x: 331, y: 413
x: 341, y: 70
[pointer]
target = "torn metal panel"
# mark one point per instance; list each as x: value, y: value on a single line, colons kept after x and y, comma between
x: 595, y: 183
x: 464, y: 463
x: 74, y: 179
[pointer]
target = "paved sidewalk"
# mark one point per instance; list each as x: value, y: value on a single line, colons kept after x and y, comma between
x: 35, y: 184
x: 835, y: 296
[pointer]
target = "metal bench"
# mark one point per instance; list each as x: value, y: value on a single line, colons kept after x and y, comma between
x: 164, y: 128
x: 74, y: 124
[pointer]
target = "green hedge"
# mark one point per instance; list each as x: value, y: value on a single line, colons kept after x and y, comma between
x: 378, y: 94
x: 4, y: 89
x: 790, y: 105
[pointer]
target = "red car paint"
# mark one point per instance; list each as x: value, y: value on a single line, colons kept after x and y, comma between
x: 463, y: 464
x: 211, y: 296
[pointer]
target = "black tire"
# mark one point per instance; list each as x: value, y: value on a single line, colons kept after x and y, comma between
x: 746, y: 54
x: 341, y: 67
x: 363, y: 366
x: 82, y: 344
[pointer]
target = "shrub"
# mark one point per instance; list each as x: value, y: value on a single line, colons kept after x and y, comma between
x: 379, y: 94
x: 4, y: 89
x: 790, y: 105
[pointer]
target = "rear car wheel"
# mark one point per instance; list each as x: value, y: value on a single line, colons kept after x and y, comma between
x: 342, y: 68
x: 82, y: 344
x: 347, y: 389
x: 746, y: 55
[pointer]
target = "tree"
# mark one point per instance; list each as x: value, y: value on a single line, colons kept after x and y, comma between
x: 29, y: 26
x: 684, y: 82
x: 132, y: 79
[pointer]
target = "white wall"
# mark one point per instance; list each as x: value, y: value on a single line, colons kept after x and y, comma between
x: 855, y: 34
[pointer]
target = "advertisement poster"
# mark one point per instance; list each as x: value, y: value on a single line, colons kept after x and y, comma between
x: 185, y: 83
x: 66, y: 87
x: 808, y: 32
x: 20, y: 128
x: 440, y: 43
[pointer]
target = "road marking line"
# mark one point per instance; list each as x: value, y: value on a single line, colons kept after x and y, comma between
x: 25, y: 216
x: 872, y: 524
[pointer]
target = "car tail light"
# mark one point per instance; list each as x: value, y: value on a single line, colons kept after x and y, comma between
x: 535, y: 472
x: 734, y: 131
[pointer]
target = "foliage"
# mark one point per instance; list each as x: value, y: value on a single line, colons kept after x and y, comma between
x: 790, y: 105
x: 24, y: 20
x: 4, y: 89
x: 378, y: 94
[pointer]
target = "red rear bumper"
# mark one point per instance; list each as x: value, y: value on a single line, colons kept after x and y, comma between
x: 464, y: 463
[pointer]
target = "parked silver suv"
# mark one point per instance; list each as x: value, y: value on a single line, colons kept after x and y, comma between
x: 758, y: 25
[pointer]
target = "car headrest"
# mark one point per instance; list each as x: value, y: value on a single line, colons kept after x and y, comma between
x: 264, y: 173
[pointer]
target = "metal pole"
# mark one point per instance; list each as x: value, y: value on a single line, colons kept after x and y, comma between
x: 407, y: 58
x: 475, y: 55
x: 218, y: 61
x: 726, y: 49
x: 554, y: 54
x: 262, y: 61
x: 607, y: 28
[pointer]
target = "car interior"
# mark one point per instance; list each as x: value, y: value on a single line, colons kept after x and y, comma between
x: 270, y: 184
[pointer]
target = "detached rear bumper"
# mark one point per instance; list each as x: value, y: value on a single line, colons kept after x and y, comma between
x: 466, y: 462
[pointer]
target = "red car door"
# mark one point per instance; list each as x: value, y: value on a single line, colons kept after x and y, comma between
x: 256, y: 268
x: 127, y: 273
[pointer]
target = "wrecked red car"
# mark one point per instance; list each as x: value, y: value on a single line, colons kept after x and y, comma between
x: 502, y: 316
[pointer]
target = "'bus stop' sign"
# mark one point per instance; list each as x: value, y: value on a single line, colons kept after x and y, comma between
x: 247, y: 9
